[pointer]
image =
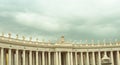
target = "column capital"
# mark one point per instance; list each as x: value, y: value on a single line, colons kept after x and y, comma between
x: 68, y: 51
x: 42, y: 51
x: 76, y: 51
x: 118, y: 50
x: 49, y: 51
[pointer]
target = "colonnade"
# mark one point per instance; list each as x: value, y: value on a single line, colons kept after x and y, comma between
x: 28, y: 57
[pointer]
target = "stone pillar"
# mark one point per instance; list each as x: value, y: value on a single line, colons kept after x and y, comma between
x: 99, y: 57
x: 56, y: 58
x: 43, y: 58
x: 59, y: 58
x: 68, y: 58
x: 76, y: 62
x: 71, y: 54
x: 81, y: 58
x: 30, y: 57
x: 49, y: 57
x: 118, y: 58
x: 23, y: 57
x: 36, y: 57
x: 33, y: 58
x: 9, y: 57
x: 26, y: 58
x: 0, y: 56
x: 17, y: 57
x: 87, y: 58
x: 93, y: 56
x: 111, y: 55
x: 20, y: 60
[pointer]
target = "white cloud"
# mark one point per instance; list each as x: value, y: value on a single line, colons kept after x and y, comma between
x: 82, y: 8
x: 68, y: 16
x: 38, y: 21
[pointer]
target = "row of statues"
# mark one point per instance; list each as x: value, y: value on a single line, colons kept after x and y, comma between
x: 62, y: 40
x: 17, y: 36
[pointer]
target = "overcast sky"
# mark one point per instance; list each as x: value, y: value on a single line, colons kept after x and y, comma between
x: 49, y: 19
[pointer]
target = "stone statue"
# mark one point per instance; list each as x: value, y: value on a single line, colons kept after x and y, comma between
x: 36, y: 39
x: 3, y: 34
x: 23, y: 37
x: 30, y: 38
x: 16, y: 36
x: 9, y: 35
x: 62, y: 39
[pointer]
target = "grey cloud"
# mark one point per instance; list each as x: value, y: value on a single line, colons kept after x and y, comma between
x: 96, y: 22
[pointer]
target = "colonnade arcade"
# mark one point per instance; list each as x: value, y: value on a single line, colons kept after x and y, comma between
x: 21, y: 52
x: 28, y: 57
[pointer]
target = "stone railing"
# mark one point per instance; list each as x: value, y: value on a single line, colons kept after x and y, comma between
x: 16, y: 41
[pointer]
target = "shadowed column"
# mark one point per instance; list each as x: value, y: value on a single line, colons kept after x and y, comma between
x: 36, y: 57
x: 9, y: 57
x: 43, y: 58
x: 111, y: 55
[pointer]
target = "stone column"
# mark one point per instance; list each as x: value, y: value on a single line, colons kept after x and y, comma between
x: 93, y: 56
x: 81, y: 58
x: 68, y: 58
x: 46, y: 59
x: 26, y: 59
x: 30, y: 57
x: 43, y: 58
x: 36, y: 57
x: 2, y: 56
x: 118, y: 57
x: 76, y: 58
x: 49, y: 57
x: 33, y: 58
x: 59, y: 58
x: 23, y: 57
x: 71, y: 54
x: 99, y: 57
x: 20, y: 60
x: 56, y: 58
x: 111, y: 55
x: 87, y: 58
x: 9, y: 57
x: 17, y: 57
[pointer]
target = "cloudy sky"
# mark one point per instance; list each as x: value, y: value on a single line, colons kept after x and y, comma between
x: 49, y: 19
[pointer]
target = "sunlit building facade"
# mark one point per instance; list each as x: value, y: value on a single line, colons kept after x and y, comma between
x: 15, y: 51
